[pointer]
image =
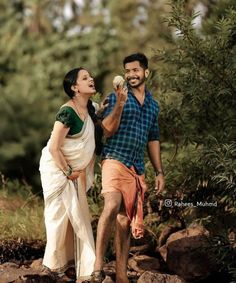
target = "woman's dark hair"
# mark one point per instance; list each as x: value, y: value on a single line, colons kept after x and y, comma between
x: 140, y: 57
x: 70, y: 80
x: 98, y: 128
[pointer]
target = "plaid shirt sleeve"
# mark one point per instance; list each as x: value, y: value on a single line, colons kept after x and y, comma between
x: 154, y: 133
x: 111, y: 103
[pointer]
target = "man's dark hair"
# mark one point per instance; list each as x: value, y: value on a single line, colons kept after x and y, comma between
x: 140, y: 57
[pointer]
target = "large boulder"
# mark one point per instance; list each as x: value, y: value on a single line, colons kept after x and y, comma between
x: 186, y: 254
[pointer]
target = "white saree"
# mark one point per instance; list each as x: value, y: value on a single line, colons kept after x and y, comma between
x: 67, y: 219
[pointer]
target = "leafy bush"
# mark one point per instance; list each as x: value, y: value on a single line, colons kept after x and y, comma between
x: 196, y: 79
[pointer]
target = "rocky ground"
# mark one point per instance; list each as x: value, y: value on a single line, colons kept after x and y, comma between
x: 183, y: 258
x: 21, y: 261
x: 16, y: 257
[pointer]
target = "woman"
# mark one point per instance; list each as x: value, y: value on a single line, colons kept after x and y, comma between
x: 66, y: 168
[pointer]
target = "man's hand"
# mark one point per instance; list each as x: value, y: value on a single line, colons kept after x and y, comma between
x: 160, y: 183
x: 111, y: 123
x: 121, y: 95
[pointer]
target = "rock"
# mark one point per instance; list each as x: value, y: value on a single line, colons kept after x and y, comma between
x: 153, y: 277
x: 133, y: 275
x: 35, y: 278
x: 20, y: 251
x: 142, y: 263
x: 37, y: 264
x: 167, y: 231
x: 187, y: 255
x: 9, y: 272
x: 9, y: 265
x: 108, y: 279
x: 140, y: 249
x: 163, y: 252
x: 110, y: 268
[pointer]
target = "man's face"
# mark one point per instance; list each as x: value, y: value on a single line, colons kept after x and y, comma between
x: 134, y: 74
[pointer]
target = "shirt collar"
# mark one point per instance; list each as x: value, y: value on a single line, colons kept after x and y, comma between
x: 148, y: 95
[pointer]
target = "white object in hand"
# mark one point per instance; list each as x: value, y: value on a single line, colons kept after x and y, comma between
x: 118, y: 82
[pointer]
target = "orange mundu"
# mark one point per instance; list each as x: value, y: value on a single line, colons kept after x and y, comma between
x: 116, y: 176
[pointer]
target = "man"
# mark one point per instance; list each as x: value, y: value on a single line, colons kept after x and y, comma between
x: 130, y: 124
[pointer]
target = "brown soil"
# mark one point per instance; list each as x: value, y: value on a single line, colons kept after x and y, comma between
x: 19, y: 251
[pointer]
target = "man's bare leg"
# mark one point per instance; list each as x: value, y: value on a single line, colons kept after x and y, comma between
x: 122, y: 243
x: 112, y: 203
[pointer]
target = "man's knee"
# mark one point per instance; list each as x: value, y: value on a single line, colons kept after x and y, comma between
x: 123, y: 221
x: 112, y: 206
x: 111, y: 209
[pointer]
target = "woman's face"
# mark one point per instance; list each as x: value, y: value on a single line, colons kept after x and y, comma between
x: 84, y: 83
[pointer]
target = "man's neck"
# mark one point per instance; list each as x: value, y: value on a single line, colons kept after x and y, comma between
x: 139, y: 91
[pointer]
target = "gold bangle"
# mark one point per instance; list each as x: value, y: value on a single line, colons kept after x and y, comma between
x: 69, y: 171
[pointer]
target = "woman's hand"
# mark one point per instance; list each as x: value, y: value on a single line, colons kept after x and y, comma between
x: 74, y: 175
x: 102, y: 107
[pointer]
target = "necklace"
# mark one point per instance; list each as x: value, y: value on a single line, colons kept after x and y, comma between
x: 83, y: 114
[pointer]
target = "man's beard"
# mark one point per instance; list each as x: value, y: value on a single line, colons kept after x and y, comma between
x: 139, y: 81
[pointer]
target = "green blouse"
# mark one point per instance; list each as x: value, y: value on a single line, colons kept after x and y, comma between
x: 67, y: 116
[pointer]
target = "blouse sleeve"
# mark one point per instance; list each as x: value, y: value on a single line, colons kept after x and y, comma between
x: 65, y: 117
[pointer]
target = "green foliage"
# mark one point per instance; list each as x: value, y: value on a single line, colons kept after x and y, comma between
x: 197, y: 96
x: 95, y: 199
x: 39, y: 43
x: 220, y: 159
x: 198, y: 99
x: 193, y: 78
x: 225, y: 254
x: 202, y: 69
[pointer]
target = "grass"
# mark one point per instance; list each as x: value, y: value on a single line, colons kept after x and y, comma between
x: 21, y: 212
